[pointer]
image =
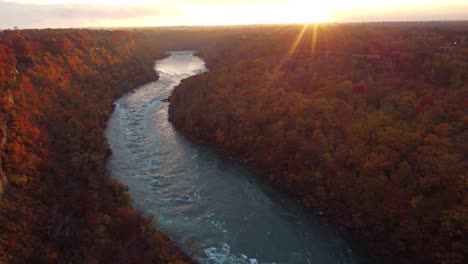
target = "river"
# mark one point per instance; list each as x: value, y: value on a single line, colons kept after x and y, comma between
x: 214, y: 207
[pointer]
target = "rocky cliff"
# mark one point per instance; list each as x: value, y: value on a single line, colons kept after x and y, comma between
x: 6, y: 104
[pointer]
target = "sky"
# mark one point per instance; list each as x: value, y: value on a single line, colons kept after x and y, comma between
x: 133, y: 13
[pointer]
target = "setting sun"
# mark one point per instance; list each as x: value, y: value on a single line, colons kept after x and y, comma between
x: 314, y: 11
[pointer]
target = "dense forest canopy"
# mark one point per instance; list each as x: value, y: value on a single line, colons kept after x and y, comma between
x: 57, y: 89
x: 365, y: 122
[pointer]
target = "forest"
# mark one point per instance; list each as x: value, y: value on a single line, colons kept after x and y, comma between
x: 366, y: 123
x: 58, y: 204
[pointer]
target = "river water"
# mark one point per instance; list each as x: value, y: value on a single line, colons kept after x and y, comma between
x: 214, y: 207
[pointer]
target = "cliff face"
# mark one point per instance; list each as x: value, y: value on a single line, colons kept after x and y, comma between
x: 3, y: 137
x: 6, y: 106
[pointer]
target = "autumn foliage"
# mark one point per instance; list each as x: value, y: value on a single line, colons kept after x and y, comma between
x: 366, y: 123
x: 57, y: 89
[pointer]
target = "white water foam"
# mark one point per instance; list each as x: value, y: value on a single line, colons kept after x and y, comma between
x: 223, y: 254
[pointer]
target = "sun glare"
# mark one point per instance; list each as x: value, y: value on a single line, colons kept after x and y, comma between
x: 311, y: 11
x: 53, y: 13
x: 299, y: 11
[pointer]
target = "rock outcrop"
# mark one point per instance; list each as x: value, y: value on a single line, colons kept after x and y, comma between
x: 7, y: 103
x: 3, y: 139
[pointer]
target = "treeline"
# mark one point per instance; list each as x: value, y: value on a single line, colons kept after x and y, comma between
x: 59, y: 206
x: 364, y: 122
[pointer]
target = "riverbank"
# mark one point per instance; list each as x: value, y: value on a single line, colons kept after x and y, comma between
x: 346, y: 148
x: 59, y: 204
x: 210, y: 204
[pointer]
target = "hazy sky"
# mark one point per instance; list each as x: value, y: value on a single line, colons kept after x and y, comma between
x: 70, y: 13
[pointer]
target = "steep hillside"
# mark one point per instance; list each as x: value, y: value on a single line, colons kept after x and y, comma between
x: 366, y: 123
x: 57, y: 89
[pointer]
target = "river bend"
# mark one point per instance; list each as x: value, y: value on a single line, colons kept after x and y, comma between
x: 216, y: 208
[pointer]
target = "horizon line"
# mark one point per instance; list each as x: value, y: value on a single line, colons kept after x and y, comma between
x: 244, y: 25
